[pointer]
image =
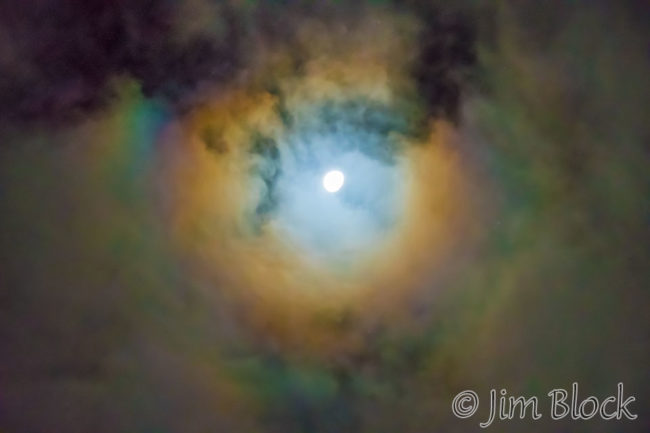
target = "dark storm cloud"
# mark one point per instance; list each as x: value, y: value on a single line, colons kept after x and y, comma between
x: 447, y: 54
x: 58, y: 57
x: 59, y: 60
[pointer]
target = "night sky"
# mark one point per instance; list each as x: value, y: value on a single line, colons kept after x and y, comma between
x: 170, y: 261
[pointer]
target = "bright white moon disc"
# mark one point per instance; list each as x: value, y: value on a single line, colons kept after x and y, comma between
x: 333, y: 180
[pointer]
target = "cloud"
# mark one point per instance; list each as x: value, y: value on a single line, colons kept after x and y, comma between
x: 170, y: 262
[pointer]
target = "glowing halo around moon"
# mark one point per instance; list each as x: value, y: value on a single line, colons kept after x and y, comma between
x: 333, y: 181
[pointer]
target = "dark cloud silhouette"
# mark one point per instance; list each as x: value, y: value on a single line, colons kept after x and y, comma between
x: 59, y: 60
x: 447, y: 55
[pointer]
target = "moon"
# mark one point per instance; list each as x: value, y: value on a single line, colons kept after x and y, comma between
x: 333, y: 181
